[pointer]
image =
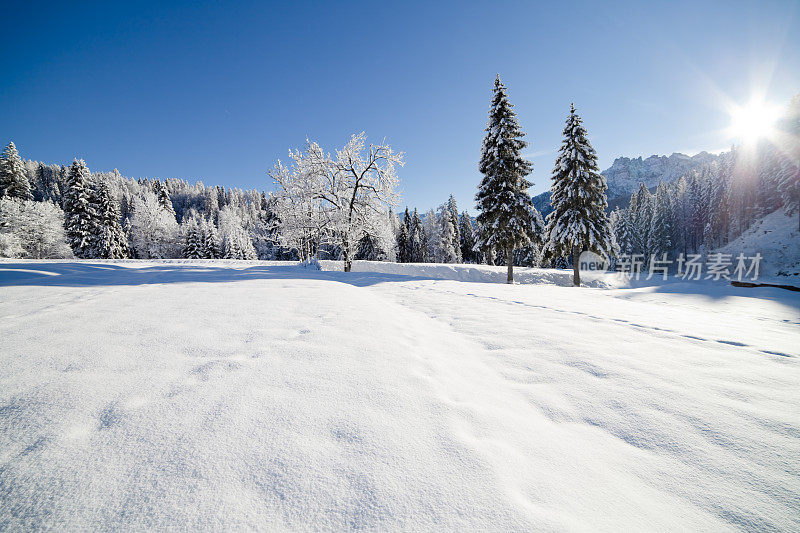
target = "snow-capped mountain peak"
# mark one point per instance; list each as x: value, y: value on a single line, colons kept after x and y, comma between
x: 625, y: 174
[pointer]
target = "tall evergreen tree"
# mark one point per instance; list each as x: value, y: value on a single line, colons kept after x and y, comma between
x: 578, y: 195
x: 449, y: 247
x: 111, y: 242
x: 369, y: 249
x: 80, y: 215
x: 506, y: 209
x: 193, y: 246
x: 431, y: 237
x: 680, y: 216
x: 246, y: 245
x: 699, y: 211
x: 404, y: 239
x: 641, y: 221
x: 452, y: 209
x: 660, y: 238
x: 210, y: 240
x: 231, y: 246
x: 163, y: 197
x: 418, y: 239
x: 720, y: 208
x: 403, y: 244
x: 620, y: 221
x: 467, y: 238
x: 13, y: 179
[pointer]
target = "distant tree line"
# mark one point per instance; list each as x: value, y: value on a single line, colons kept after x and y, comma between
x: 104, y: 215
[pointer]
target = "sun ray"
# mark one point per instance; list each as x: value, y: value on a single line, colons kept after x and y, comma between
x: 753, y: 121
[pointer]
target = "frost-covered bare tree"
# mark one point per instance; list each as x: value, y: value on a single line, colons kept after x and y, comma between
x: 300, y: 212
x: 336, y: 199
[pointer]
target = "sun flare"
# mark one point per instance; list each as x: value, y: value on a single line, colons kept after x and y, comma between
x: 753, y: 121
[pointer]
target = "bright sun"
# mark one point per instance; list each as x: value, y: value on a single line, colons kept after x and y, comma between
x: 753, y: 121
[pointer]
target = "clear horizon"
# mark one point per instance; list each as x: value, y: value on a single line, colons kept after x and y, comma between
x: 218, y: 94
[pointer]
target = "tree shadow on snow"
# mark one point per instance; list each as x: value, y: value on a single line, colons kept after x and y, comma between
x: 90, y: 274
x: 714, y: 290
x: 93, y: 274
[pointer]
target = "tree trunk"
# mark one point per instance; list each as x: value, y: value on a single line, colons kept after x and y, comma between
x: 576, y: 272
x: 510, y: 263
x: 348, y: 262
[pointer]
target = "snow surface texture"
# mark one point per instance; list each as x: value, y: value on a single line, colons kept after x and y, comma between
x: 776, y: 238
x: 237, y: 395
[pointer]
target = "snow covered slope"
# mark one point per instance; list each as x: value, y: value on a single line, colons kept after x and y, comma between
x: 777, y: 239
x: 234, y: 396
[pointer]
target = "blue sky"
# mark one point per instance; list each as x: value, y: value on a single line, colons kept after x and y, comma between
x: 219, y: 91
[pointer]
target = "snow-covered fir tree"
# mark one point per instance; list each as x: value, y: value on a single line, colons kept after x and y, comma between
x: 210, y: 240
x: 449, y: 247
x: 193, y: 246
x: 419, y: 241
x: 163, y: 197
x: 452, y: 212
x: 699, y: 209
x: 13, y: 179
x: 81, y: 217
x: 641, y: 209
x: 466, y: 233
x: 236, y: 244
x: 230, y: 246
x: 719, y: 217
x: 681, y: 214
x: 46, y: 181
x: 404, y: 239
x: 432, y: 232
x: 110, y: 239
x: 660, y: 237
x: 246, y: 245
x: 370, y: 249
x: 506, y: 209
x: 579, y: 221
x: 619, y: 220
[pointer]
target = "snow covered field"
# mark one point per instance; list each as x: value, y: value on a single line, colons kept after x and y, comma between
x: 236, y: 395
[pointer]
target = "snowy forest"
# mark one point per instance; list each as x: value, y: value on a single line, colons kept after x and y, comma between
x: 345, y: 206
